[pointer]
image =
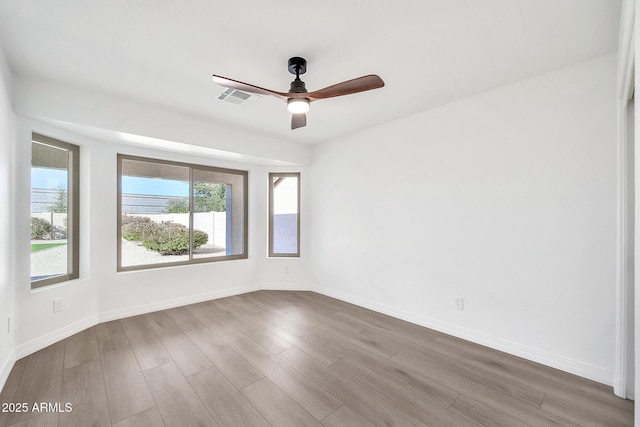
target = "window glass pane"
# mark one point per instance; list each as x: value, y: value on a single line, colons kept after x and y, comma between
x: 155, y: 213
x: 176, y: 213
x: 218, y: 201
x: 284, y: 219
x: 54, y: 255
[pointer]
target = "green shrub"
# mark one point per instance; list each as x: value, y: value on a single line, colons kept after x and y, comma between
x: 169, y: 238
x: 40, y: 229
x: 199, y: 238
x: 134, y: 227
x: 59, y: 232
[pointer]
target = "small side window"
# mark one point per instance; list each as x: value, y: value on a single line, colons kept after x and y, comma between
x: 284, y: 214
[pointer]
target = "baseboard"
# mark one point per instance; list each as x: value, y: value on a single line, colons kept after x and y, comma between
x: 73, y: 328
x: 53, y: 337
x: 566, y: 364
x: 46, y: 340
x: 7, y: 366
x: 546, y: 358
x: 172, y: 303
x: 272, y: 286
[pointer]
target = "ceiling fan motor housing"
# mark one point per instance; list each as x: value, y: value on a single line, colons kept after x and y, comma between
x: 297, y: 86
x: 297, y: 65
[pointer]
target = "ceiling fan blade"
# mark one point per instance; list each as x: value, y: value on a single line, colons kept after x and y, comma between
x: 246, y: 87
x: 359, y: 84
x: 298, y: 121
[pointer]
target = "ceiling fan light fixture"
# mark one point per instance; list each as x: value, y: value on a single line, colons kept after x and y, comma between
x: 298, y: 105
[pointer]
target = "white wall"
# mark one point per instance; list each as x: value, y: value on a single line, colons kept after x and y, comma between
x: 35, y: 310
x: 6, y: 215
x: 506, y: 199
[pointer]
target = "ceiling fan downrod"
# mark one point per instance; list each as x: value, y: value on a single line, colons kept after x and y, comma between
x: 297, y: 66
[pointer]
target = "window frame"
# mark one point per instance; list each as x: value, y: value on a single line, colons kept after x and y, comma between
x: 192, y: 166
x: 73, y: 210
x: 272, y: 253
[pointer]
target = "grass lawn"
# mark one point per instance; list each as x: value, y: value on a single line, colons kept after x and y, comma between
x: 35, y: 247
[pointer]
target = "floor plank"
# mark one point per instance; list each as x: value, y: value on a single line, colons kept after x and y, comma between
x: 144, y: 343
x: 149, y: 418
x: 83, y: 387
x: 482, y: 414
x: 305, y: 392
x: 430, y: 380
x: 177, y: 402
x: 524, y: 365
x: 106, y: 329
x: 332, y: 305
x: 321, y: 350
x: 227, y: 406
x: 393, y: 327
x: 377, y: 411
x: 325, y: 321
x: 208, y: 316
x: 374, y: 371
x: 16, y: 373
x: 43, y: 420
x: 346, y: 417
x: 81, y: 348
x: 126, y: 388
x: 328, y: 347
x: 470, y: 374
x: 6, y: 396
x: 231, y: 364
x: 276, y: 406
x: 406, y: 378
x: 278, y: 325
x: 41, y: 380
x: 265, y: 338
x: 421, y: 406
x: 244, y: 305
x: 581, y: 415
x: 513, y: 387
x: 182, y: 350
x: 579, y: 391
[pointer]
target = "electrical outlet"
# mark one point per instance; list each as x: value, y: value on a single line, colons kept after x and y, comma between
x: 459, y: 303
x: 57, y: 305
x: 286, y: 270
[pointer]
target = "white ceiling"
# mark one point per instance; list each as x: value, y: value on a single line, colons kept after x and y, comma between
x: 429, y: 52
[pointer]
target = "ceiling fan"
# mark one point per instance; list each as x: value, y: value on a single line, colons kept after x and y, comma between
x: 298, y: 98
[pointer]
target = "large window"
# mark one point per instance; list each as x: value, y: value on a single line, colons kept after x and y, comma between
x: 54, y: 211
x: 175, y: 213
x: 284, y: 214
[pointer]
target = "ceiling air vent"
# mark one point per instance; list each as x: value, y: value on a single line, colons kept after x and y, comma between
x: 235, y: 96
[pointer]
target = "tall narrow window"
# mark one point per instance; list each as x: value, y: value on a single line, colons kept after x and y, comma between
x: 54, y: 211
x: 284, y: 214
x: 176, y: 213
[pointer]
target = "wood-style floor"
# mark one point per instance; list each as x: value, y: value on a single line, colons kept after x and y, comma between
x: 293, y: 359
